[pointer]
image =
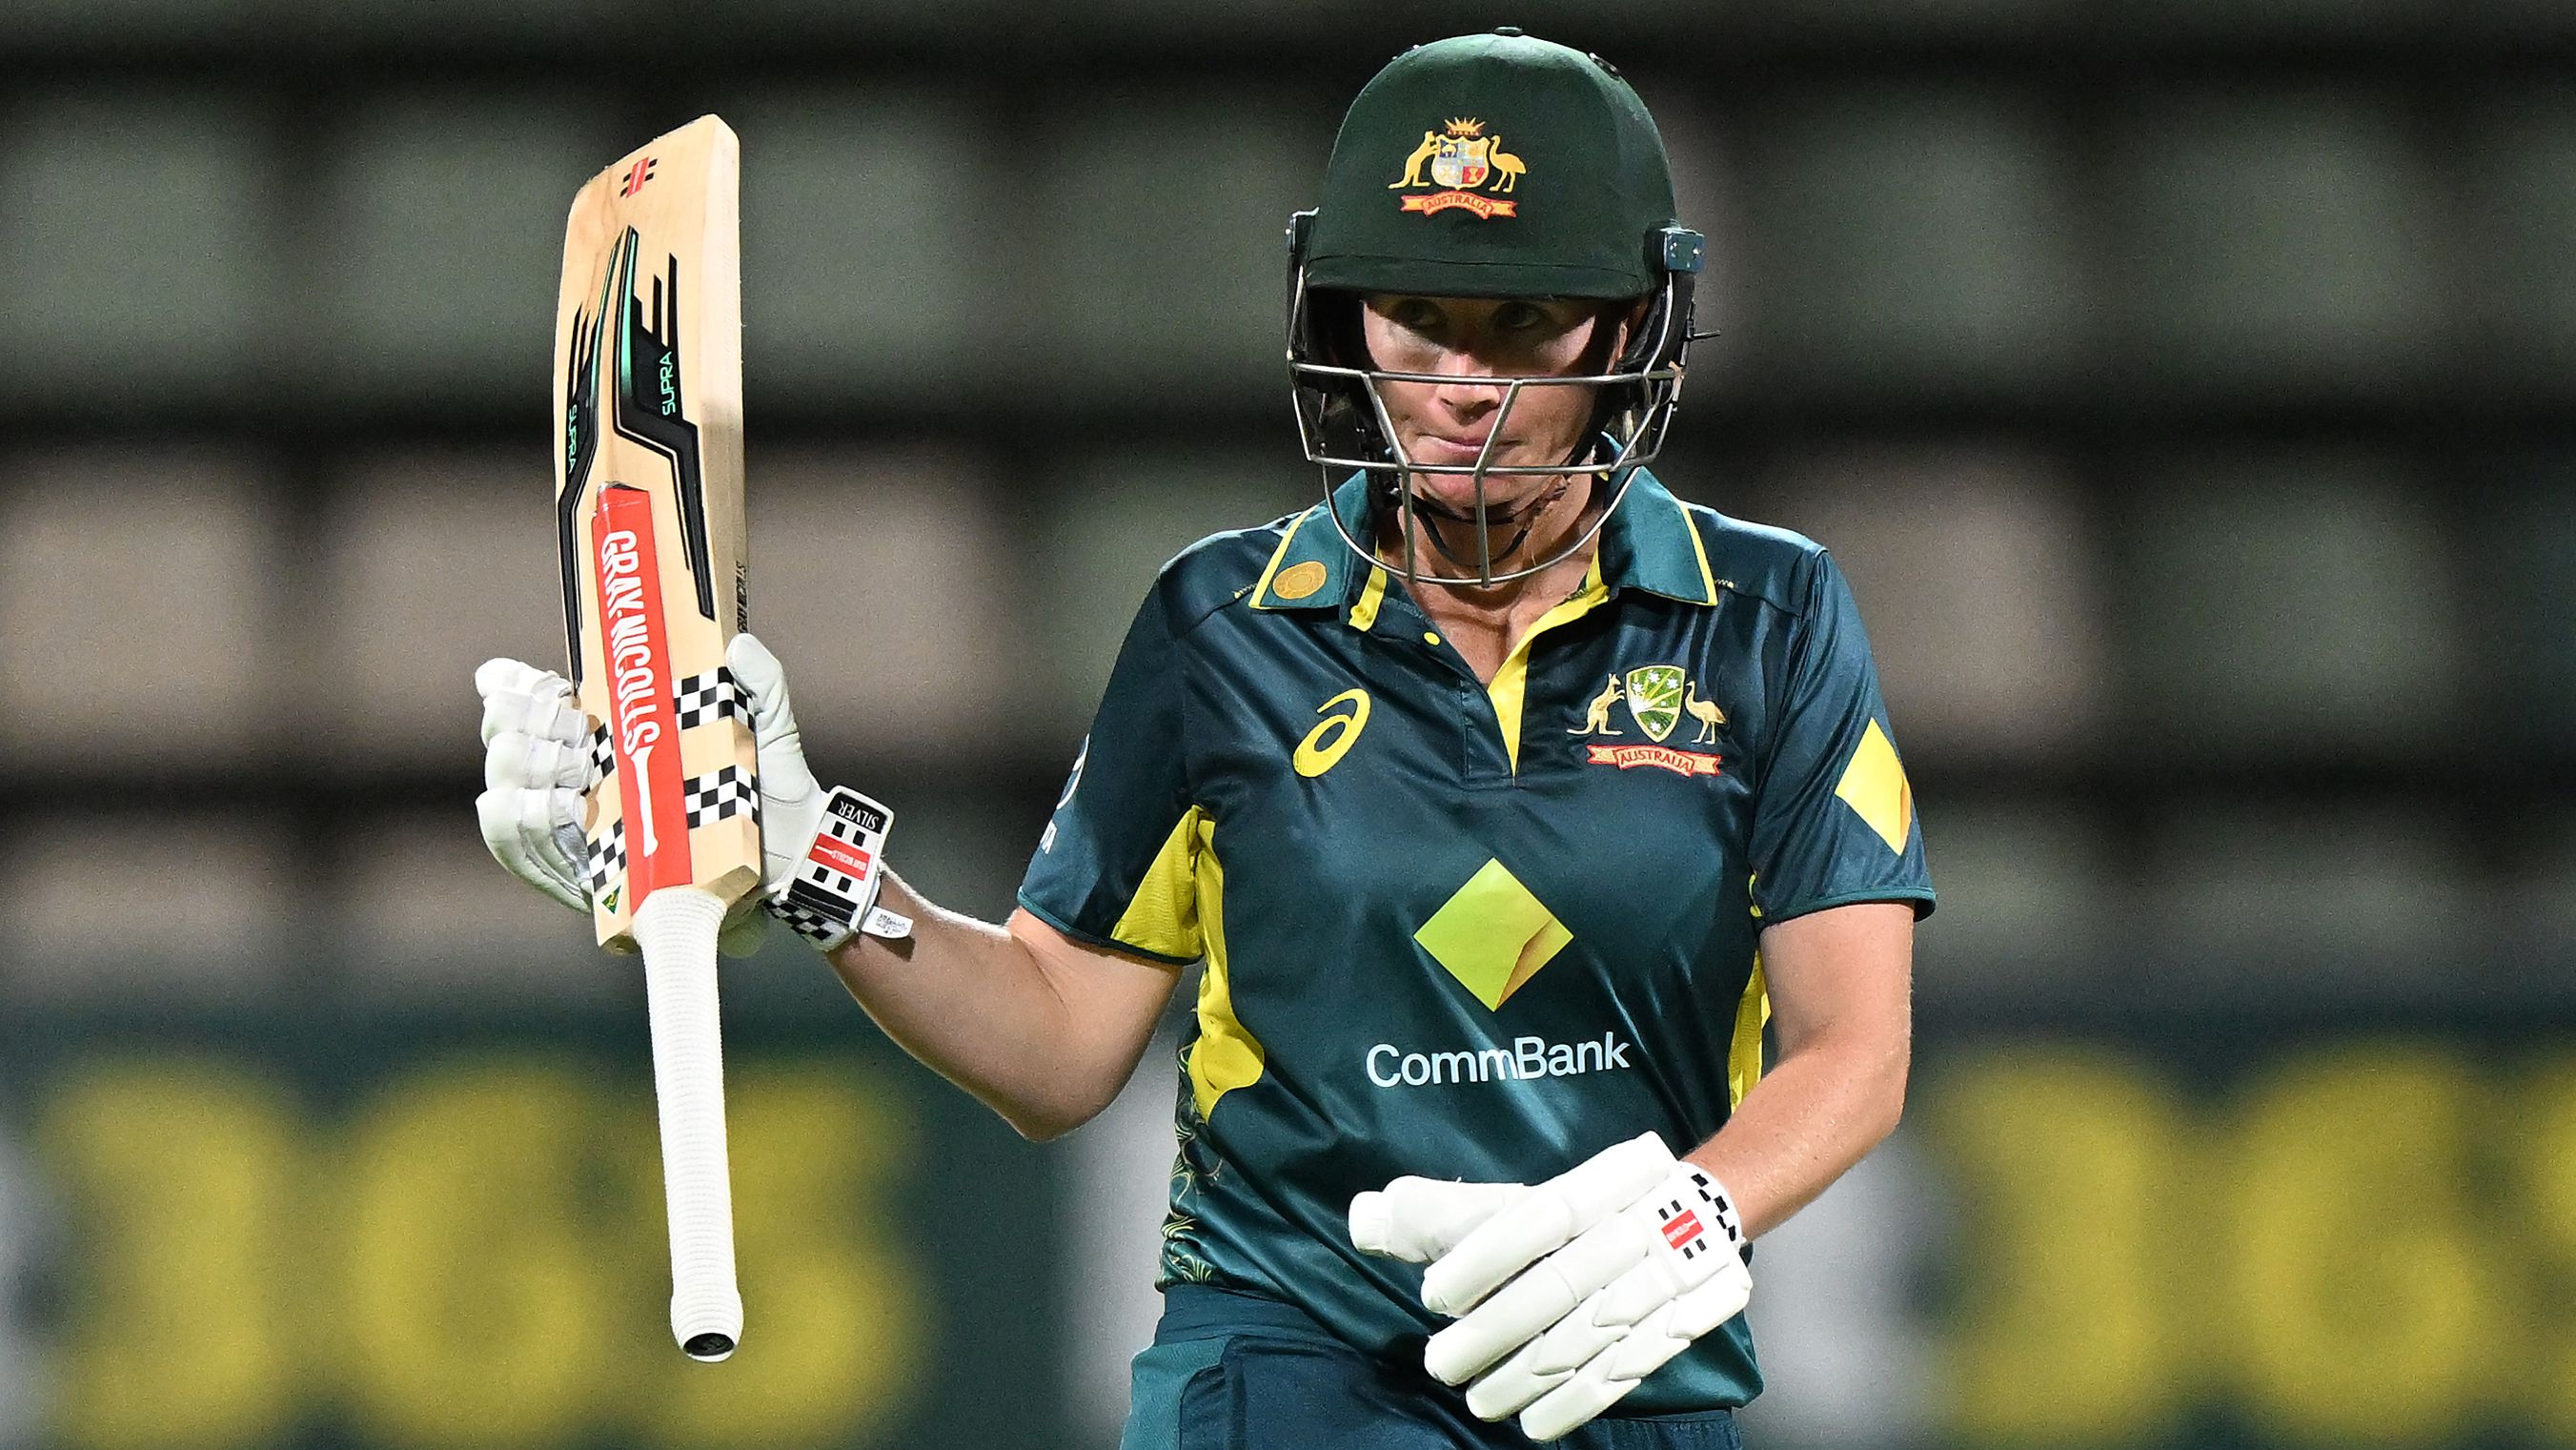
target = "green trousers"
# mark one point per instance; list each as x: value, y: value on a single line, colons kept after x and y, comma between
x: 1232, y: 1371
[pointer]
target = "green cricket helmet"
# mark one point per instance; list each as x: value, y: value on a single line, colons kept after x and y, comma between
x: 1489, y: 166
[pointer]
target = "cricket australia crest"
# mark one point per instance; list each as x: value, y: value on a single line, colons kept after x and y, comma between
x: 1657, y: 696
x: 1465, y: 164
x: 1655, y: 699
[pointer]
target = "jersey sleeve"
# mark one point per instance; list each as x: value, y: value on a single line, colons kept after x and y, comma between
x: 1835, y: 820
x: 1116, y: 865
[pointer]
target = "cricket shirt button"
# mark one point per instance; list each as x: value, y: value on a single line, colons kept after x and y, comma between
x: 1429, y: 638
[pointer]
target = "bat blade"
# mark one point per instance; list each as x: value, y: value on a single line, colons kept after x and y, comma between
x: 649, y: 518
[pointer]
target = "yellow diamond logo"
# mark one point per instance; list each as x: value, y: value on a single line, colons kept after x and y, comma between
x: 1873, y: 784
x: 1493, y: 935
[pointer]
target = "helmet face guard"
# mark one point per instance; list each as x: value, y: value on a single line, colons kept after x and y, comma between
x: 1345, y: 427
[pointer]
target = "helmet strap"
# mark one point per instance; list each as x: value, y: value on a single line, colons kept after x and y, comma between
x: 1401, y: 499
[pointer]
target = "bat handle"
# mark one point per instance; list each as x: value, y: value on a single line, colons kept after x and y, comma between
x: 676, y: 926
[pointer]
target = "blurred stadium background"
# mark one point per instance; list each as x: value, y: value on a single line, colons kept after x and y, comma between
x: 2184, y: 384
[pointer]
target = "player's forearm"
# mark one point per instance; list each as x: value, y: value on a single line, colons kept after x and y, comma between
x: 978, y: 1008
x: 1817, y: 1112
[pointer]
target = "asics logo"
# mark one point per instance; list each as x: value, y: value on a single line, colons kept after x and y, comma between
x: 1326, y: 744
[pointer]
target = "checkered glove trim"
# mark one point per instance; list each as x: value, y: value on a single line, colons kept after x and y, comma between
x: 1701, y: 1220
x: 830, y: 895
x: 815, y: 927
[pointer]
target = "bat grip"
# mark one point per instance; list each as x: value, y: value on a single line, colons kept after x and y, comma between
x: 676, y: 926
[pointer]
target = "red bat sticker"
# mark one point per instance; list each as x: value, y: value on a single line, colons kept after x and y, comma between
x: 643, y: 728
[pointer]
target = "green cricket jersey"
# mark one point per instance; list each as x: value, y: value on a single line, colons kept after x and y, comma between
x: 1463, y: 930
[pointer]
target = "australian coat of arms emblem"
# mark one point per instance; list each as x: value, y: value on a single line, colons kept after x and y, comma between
x: 1657, y: 697
x: 1469, y: 167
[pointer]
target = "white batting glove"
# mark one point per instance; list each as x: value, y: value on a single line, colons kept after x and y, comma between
x: 1419, y: 1219
x: 791, y: 804
x: 822, y: 851
x: 536, y: 769
x: 1583, y: 1286
x: 536, y: 765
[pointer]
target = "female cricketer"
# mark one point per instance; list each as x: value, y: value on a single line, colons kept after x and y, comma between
x: 1505, y: 798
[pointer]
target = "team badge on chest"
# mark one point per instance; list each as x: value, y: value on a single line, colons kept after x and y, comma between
x: 1657, y: 697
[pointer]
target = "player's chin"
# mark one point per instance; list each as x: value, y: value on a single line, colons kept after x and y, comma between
x: 1458, y: 491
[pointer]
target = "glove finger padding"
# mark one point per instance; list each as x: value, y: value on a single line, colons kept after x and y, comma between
x: 1419, y: 1219
x: 1523, y: 1309
x: 513, y: 761
x: 1594, y: 1388
x: 1661, y: 1292
x: 1539, y: 1366
x: 783, y: 771
x: 1679, y: 1274
x: 536, y: 763
x: 535, y: 834
x: 1636, y: 1353
x: 1550, y: 1217
x: 521, y: 699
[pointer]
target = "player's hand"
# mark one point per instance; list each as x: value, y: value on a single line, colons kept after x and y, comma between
x: 1419, y: 1219
x: 820, y: 873
x: 1585, y: 1286
x: 791, y: 804
x: 536, y: 765
x: 536, y: 768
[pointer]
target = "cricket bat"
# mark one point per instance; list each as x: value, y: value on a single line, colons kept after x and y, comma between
x: 648, y: 512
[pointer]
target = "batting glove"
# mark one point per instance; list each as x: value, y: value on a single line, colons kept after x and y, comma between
x: 1419, y: 1219
x: 823, y: 851
x: 1573, y: 1292
x: 536, y: 766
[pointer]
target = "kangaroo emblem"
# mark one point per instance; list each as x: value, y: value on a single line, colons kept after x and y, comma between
x: 1413, y: 163
x: 1596, y: 716
x: 1705, y: 712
